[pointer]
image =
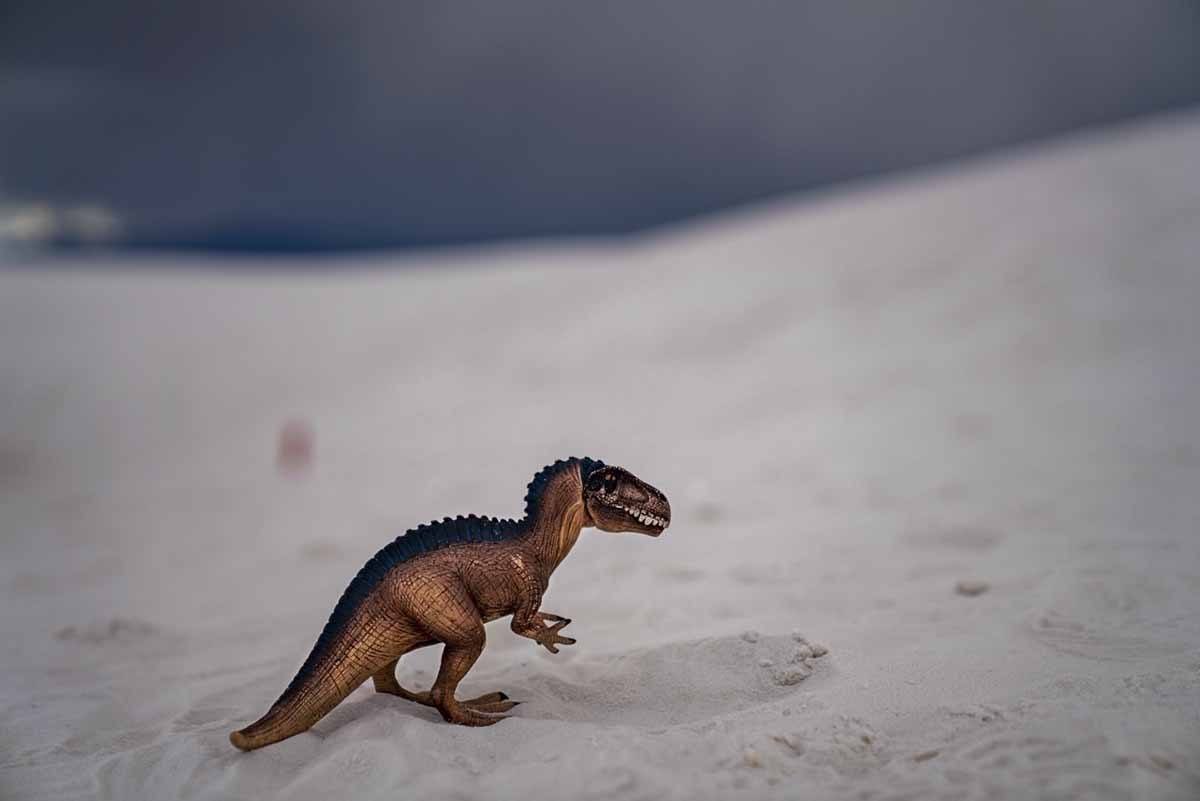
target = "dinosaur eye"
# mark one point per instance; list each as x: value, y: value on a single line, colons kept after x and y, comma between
x: 610, y: 484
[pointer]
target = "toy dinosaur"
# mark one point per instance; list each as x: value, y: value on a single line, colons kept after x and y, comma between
x: 442, y: 582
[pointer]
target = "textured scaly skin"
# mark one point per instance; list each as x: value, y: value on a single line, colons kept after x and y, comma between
x: 443, y: 582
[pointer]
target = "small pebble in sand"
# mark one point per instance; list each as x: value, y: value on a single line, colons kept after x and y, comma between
x: 765, y: 663
x: 751, y: 758
x: 925, y: 756
x: 818, y: 650
x: 750, y: 636
x: 971, y: 588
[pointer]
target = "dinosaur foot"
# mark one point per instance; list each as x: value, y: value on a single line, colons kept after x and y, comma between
x: 478, y: 712
x: 490, y: 703
x: 388, y: 684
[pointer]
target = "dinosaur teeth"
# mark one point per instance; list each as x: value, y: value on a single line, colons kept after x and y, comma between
x: 643, y: 517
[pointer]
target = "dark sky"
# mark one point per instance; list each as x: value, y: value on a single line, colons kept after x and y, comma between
x: 315, y: 124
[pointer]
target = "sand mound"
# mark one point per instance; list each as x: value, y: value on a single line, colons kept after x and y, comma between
x: 664, y: 686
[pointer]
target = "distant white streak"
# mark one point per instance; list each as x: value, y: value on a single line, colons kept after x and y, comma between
x: 33, y: 224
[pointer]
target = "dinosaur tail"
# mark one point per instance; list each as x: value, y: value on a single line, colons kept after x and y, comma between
x: 292, y: 714
x: 331, y: 672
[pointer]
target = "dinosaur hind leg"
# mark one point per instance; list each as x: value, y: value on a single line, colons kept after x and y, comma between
x: 446, y: 611
x: 457, y: 659
x: 385, y: 682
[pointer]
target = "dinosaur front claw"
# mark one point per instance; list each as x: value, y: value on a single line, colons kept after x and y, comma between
x: 549, y: 638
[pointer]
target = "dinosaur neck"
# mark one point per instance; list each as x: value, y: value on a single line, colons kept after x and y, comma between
x: 557, y: 518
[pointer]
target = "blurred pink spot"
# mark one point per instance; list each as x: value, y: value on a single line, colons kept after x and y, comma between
x: 294, y: 451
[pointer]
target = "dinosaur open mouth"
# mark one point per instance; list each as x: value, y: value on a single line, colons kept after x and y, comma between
x: 645, y: 518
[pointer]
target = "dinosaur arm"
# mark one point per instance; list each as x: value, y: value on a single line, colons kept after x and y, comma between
x: 541, y: 627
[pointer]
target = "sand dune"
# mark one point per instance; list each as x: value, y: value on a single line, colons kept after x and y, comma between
x: 983, y: 375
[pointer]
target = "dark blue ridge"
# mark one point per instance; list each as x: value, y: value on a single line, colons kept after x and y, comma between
x: 423, y: 539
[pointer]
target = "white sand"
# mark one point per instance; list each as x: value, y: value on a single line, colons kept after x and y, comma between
x: 990, y: 374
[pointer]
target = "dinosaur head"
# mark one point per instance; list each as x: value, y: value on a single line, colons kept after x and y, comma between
x: 617, y: 500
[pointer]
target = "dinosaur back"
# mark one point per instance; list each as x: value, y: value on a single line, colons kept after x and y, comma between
x: 423, y: 539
